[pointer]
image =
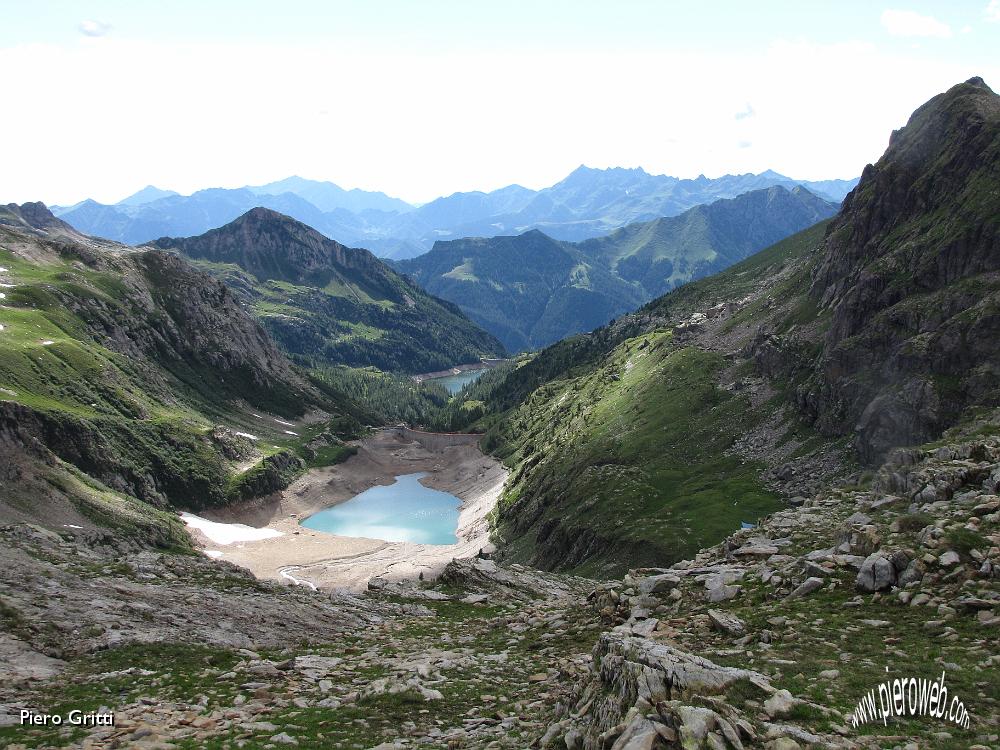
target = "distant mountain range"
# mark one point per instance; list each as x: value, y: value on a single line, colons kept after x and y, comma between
x: 329, y: 304
x: 531, y: 290
x: 587, y: 204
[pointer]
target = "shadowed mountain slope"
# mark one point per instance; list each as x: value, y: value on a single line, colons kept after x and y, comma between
x: 324, y: 301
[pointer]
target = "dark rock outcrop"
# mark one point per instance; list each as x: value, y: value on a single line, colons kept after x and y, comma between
x: 908, y: 279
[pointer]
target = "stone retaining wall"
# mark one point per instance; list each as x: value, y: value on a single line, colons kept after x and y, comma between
x: 436, y: 441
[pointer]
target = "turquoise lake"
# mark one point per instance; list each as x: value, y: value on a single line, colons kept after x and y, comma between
x: 455, y: 383
x: 404, y: 511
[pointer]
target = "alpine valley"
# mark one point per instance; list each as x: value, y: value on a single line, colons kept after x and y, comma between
x: 531, y: 290
x: 732, y: 460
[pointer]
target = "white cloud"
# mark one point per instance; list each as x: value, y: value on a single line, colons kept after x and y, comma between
x: 906, y: 23
x: 992, y: 11
x: 94, y: 28
x: 419, y: 125
x: 749, y: 111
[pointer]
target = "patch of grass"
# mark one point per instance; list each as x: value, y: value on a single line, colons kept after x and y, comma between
x: 627, y: 465
x: 744, y: 690
x: 963, y: 541
x: 914, y: 521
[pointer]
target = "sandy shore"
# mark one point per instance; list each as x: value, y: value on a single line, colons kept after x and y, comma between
x: 328, y: 561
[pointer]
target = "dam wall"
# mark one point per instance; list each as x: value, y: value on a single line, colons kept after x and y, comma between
x: 436, y: 441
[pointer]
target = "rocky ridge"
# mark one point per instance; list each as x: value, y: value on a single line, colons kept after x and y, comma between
x: 770, y: 638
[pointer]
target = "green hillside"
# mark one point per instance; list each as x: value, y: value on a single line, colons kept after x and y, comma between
x: 621, y: 441
x: 328, y: 304
x: 129, y: 376
x: 531, y: 290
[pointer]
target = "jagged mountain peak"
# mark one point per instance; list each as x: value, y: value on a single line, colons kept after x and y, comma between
x: 37, y: 218
x: 260, y: 223
x: 261, y: 216
x: 947, y: 116
x: 906, y: 271
x: 313, y: 294
x: 271, y: 245
x: 943, y: 160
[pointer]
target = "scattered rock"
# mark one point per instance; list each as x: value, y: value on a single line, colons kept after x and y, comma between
x: 806, y: 587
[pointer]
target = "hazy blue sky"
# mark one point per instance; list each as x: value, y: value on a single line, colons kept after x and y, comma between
x: 425, y: 98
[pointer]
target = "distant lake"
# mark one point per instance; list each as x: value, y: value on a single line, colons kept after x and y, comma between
x: 455, y: 383
x: 405, y: 511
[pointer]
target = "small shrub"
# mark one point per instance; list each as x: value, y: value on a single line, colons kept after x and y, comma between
x: 964, y: 541
x: 915, y: 521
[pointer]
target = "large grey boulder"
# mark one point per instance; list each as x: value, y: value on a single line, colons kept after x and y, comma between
x: 913, y: 572
x: 726, y: 623
x: 877, y: 574
x: 659, y: 584
x: 723, y: 593
x: 806, y: 587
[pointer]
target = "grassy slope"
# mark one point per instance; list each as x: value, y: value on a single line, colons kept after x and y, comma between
x: 629, y: 460
x: 618, y: 440
x: 118, y: 417
x: 349, y: 324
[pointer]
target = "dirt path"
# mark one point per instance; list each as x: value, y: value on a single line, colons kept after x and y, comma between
x: 329, y: 561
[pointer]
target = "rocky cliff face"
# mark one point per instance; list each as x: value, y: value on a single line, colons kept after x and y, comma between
x: 908, y: 280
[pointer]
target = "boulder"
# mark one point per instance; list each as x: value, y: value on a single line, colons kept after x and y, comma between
x: 913, y: 572
x: 756, y: 550
x: 949, y: 559
x: 723, y: 593
x: 806, y: 587
x: 876, y: 574
x: 859, y: 540
x: 658, y: 584
x: 726, y: 623
x: 780, y: 704
x: 640, y: 734
x: 645, y: 628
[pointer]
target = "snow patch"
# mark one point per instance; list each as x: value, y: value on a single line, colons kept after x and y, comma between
x: 289, y: 432
x: 48, y: 342
x: 248, y: 435
x: 227, y: 533
x: 296, y: 581
x: 71, y: 526
x: 287, y: 424
x: 213, y: 553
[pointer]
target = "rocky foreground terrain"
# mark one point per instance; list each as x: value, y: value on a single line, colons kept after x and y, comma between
x: 767, y: 640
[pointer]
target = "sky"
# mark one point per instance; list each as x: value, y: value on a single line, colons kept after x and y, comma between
x: 425, y: 98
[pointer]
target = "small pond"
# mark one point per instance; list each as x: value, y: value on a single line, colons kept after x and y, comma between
x: 404, y: 511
